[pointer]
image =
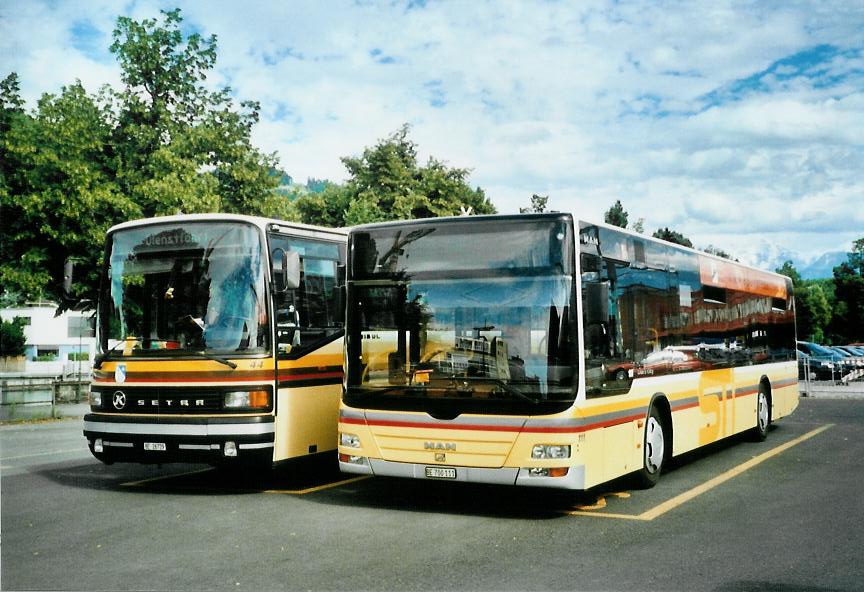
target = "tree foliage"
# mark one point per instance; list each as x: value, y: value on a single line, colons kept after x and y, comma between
x: 181, y: 147
x: 616, y: 215
x: 813, y: 312
x: 162, y: 144
x: 12, y: 339
x: 812, y: 306
x: 672, y: 236
x: 538, y: 205
x: 847, y: 324
x: 712, y: 250
x: 387, y: 183
x: 60, y: 195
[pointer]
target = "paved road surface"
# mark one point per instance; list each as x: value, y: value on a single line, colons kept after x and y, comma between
x: 790, y: 523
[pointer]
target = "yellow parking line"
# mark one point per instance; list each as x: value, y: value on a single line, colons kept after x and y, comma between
x: 317, y: 488
x: 282, y: 491
x: 685, y: 497
x: 163, y: 477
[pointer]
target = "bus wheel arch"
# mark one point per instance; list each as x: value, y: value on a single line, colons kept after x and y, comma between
x: 656, y: 441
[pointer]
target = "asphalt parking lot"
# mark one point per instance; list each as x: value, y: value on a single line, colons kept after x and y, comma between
x: 780, y: 515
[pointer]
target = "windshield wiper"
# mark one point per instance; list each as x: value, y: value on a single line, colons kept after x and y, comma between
x: 100, y: 359
x: 219, y: 359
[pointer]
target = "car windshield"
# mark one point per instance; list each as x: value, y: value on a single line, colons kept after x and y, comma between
x: 187, y: 287
x: 440, y: 316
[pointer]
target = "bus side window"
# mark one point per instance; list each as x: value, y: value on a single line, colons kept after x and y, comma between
x: 310, y: 316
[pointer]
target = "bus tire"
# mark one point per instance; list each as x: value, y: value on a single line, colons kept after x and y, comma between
x: 654, y: 445
x: 763, y: 414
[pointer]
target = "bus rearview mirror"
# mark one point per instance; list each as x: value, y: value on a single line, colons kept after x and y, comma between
x: 286, y: 270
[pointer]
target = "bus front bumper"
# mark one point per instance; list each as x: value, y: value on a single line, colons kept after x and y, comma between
x: 194, y: 439
x: 574, y: 479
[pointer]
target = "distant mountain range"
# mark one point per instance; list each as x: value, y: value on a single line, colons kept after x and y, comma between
x: 823, y: 266
x: 771, y: 257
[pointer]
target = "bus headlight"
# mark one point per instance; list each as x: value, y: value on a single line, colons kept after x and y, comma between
x: 246, y: 400
x: 542, y: 451
x: 96, y: 399
x: 349, y: 440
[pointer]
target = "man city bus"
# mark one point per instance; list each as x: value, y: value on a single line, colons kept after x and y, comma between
x: 220, y: 341
x: 546, y: 351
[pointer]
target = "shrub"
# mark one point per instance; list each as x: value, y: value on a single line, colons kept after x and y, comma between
x: 12, y: 340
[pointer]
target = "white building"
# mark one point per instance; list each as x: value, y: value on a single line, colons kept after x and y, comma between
x: 62, y: 340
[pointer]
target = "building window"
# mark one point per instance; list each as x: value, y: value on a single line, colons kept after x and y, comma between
x: 47, y: 354
x: 81, y: 327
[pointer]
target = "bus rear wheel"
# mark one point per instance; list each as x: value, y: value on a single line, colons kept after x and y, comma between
x: 654, y: 446
x: 763, y: 415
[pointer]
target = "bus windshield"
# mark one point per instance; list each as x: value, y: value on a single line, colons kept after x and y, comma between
x: 456, y: 317
x: 184, y: 287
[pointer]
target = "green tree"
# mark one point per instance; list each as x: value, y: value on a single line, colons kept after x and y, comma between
x: 812, y: 305
x: 788, y: 269
x: 672, y: 236
x: 538, y: 205
x: 813, y: 313
x: 848, y: 321
x: 712, y: 250
x: 61, y: 197
x: 387, y: 183
x: 181, y: 147
x: 616, y: 215
x: 12, y: 339
x: 162, y: 144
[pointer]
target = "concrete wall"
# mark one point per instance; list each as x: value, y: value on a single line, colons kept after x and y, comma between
x: 37, y: 396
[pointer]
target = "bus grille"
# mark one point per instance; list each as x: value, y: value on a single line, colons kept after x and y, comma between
x: 151, y: 400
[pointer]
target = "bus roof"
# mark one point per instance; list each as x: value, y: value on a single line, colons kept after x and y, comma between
x: 258, y: 221
x: 682, y: 247
x: 558, y: 215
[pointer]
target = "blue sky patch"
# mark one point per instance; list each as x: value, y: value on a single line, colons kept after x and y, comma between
x: 379, y: 57
x: 437, y: 96
x: 91, y: 41
x: 273, y: 58
x: 814, y: 66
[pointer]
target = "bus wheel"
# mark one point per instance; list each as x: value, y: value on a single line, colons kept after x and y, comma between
x: 763, y: 415
x: 654, y: 445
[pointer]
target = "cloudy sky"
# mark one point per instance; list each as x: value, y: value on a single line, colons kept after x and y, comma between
x: 739, y: 124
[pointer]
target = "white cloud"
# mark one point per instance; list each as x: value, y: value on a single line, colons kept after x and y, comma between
x: 695, y: 116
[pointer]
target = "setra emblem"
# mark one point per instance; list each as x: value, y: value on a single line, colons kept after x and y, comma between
x: 119, y: 400
x: 120, y: 373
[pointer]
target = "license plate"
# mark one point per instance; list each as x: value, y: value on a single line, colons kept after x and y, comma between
x: 440, y: 473
x: 158, y: 446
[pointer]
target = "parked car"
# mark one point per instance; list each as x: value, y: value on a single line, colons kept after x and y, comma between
x: 820, y: 352
x: 853, y: 349
x: 850, y: 358
x: 819, y: 369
